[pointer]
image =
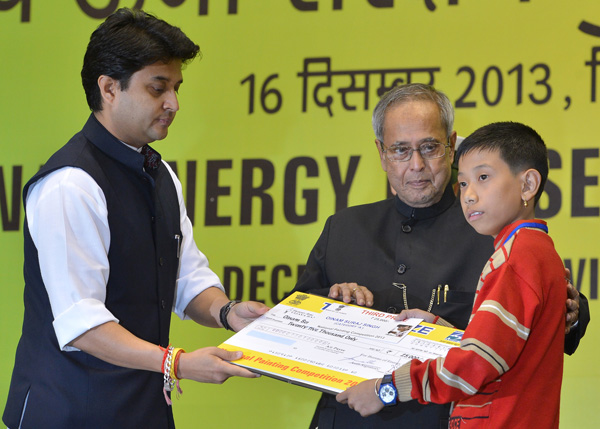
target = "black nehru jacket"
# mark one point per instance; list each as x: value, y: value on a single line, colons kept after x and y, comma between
x: 74, y: 389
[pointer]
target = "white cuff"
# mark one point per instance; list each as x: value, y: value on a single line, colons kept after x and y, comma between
x: 78, y: 319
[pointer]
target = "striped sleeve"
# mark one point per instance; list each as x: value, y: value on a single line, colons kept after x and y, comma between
x: 497, y: 333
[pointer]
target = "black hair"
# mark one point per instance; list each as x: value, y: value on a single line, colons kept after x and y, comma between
x: 520, y: 146
x: 126, y: 42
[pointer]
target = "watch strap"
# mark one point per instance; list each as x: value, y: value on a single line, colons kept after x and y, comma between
x: 224, y: 312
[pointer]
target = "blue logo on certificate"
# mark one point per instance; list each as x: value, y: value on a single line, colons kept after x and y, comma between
x: 455, y: 337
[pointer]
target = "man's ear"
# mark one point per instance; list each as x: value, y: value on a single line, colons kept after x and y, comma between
x: 379, y: 145
x: 531, y: 182
x: 452, y: 140
x: 108, y: 89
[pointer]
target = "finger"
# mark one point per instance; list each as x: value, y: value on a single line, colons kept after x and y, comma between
x: 403, y: 315
x: 256, y: 308
x: 369, y: 298
x: 226, y: 370
x: 570, y: 318
x: 359, y: 295
x: 348, y: 290
x: 568, y: 274
x: 335, y: 291
x: 226, y: 354
x: 363, y: 296
x: 568, y: 324
x: 238, y: 371
x: 571, y: 291
x: 415, y: 313
x: 249, y: 310
x: 572, y: 309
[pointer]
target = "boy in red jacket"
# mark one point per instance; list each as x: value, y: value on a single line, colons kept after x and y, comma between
x: 510, y: 359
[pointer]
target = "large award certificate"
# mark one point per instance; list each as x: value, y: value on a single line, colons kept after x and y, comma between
x: 329, y: 346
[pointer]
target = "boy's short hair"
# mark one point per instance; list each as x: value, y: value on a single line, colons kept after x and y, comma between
x: 520, y: 146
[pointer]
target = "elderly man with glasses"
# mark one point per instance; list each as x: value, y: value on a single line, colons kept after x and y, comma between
x: 414, y: 250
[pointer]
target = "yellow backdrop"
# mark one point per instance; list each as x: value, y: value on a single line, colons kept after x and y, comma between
x: 274, y: 135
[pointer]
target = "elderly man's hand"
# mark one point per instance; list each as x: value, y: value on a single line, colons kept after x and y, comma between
x: 351, y: 293
x: 572, y: 303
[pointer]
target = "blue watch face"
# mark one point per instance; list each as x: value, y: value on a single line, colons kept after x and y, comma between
x: 387, y: 393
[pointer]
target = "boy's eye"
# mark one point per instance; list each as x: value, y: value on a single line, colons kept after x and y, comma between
x: 483, y: 177
x: 462, y: 184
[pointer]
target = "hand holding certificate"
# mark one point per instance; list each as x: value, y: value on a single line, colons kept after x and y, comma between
x: 329, y: 346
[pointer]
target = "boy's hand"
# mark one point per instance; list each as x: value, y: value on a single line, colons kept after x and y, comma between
x: 362, y: 398
x: 415, y: 313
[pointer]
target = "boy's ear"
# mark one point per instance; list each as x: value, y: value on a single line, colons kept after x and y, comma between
x: 531, y: 181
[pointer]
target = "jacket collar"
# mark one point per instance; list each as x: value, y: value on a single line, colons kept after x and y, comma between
x: 99, y: 136
x: 432, y: 211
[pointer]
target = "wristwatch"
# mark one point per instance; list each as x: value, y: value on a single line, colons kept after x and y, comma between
x: 387, y: 391
x: 224, y: 312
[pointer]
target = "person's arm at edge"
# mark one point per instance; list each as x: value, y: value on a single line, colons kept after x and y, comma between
x: 577, y: 304
x: 582, y: 319
x: 112, y: 343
